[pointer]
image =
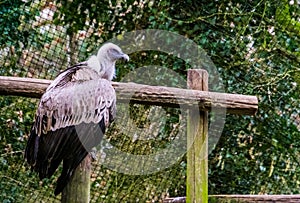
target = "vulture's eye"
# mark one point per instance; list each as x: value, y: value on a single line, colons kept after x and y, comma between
x: 114, y: 52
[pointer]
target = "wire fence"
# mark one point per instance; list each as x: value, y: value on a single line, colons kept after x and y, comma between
x: 46, y: 50
x: 39, y: 42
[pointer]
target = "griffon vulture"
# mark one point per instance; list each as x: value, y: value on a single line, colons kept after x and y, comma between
x: 72, y: 115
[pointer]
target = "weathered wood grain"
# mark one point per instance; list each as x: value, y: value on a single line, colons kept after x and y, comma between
x: 197, y: 142
x: 145, y: 94
x: 243, y: 199
x: 78, y: 189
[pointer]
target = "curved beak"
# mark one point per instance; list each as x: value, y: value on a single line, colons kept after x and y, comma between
x: 119, y: 55
x: 125, y: 57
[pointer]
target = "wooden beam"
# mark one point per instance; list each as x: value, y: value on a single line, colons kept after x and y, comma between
x: 256, y: 198
x: 27, y: 87
x: 197, y: 142
x: 78, y: 188
x: 242, y: 199
x: 145, y: 94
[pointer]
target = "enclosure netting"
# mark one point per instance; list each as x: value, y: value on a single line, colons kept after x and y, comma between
x: 40, y: 40
x: 42, y: 51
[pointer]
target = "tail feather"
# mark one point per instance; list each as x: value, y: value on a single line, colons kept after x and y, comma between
x: 70, y: 145
x: 69, y: 166
x: 32, y: 148
x: 62, y: 181
x: 46, y: 171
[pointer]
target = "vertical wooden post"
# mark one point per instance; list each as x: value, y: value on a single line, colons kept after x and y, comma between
x: 197, y: 140
x: 78, y: 189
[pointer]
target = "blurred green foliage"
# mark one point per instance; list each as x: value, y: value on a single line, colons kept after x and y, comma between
x: 254, y: 45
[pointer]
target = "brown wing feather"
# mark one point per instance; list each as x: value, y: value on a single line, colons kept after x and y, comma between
x: 75, y: 103
x: 76, y: 73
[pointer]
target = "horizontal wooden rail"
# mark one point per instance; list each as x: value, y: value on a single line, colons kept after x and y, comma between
x: 257, y: 198
x: 145, y: 94
x: 242, y: 199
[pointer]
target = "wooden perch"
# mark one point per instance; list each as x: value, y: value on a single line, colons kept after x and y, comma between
x: 256, y: 198
x: 242, y: 199
x: 197, y: 143
x: 145, y: 94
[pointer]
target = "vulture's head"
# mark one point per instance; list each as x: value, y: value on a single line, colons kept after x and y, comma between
x: 104, y: 62
x: 111, y: 52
